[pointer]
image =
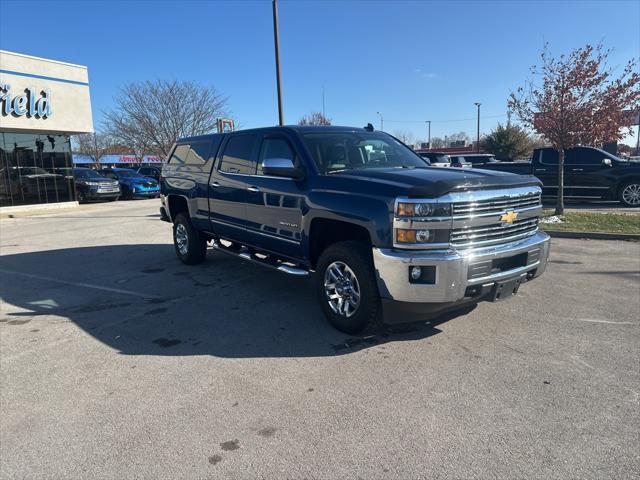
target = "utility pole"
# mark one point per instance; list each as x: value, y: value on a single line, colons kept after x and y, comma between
x: 323, y: 114
x: 477, y: 104
x: 381, y: 122
x: 428, y: 122
x: 276, y: 40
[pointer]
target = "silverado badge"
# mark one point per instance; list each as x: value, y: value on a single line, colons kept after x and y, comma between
x: 509, y: 217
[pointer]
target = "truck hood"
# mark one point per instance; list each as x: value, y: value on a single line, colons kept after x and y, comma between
x: 435, y: 181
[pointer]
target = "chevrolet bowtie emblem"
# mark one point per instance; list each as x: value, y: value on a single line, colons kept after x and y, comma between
x: 509, y: 217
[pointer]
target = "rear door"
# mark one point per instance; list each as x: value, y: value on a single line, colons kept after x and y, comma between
x: 275, y: 204
x: 545, y: 167
x: 228, y: 185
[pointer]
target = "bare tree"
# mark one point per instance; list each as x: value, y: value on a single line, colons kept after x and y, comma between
x: 94, y: 145
x: 314, y: 118
x: 405, y: 137
x: 578, y: 102
x: 150, y: 116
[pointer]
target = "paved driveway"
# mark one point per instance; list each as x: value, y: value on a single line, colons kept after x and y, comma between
x: 117, y: 361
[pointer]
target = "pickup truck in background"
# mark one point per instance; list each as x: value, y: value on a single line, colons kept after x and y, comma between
x: 388, y: 237
x: 588, y: 173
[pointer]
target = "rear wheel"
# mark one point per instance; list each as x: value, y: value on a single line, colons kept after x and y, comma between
x: 630, y: 194
x: 80, y: 196
x: 190, y: 246
x: 347, y: 288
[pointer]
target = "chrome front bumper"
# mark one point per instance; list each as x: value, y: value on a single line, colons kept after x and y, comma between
x: 457, y: 270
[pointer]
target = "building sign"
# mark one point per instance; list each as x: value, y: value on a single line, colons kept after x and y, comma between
x: 43, y: 96
x: 29, y: 103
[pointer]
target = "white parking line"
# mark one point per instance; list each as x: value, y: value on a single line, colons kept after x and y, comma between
x: 79, y: 284
x: 594, y: 320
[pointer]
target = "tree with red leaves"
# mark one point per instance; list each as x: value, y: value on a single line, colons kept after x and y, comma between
x: 576, y: 99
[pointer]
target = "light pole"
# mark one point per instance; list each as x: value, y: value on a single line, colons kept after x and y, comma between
x: 276, y: 41
x: 428, y: 122
x: 477, y: 104
x: 381, y: 122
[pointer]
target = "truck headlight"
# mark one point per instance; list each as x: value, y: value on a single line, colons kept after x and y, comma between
x: 404, y: 235
x: 422, y: 209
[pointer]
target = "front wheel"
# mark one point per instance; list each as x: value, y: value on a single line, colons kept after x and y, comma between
x: 190, y: 246
x: 630, y: 194
x: 347, y: 288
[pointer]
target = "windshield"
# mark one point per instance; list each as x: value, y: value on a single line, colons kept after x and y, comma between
x: 87, y: 173
x: 127, y: 173
x: 338, y: 151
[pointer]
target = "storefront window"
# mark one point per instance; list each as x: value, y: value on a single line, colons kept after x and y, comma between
x: 35, y: 169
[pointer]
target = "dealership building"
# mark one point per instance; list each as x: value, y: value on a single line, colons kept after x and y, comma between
x: 42, y: 103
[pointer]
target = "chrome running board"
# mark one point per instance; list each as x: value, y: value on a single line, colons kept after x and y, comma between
x: 265, y: 261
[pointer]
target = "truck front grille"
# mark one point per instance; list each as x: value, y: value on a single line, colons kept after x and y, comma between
x: 470, y: 237
x: 494, y: 206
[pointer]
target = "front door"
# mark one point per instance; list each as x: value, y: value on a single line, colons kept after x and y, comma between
x: 275, y: 204
x: 586, y: 172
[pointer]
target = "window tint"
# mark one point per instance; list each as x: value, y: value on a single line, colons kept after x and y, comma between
x: 274, y: 148
x: 179, y: 155
x: 548, y: 156
x: 237, y: 155
x: 584, y: 156
x: 199, y: 154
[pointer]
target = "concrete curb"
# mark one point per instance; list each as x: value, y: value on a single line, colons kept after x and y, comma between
x: 631, y: 237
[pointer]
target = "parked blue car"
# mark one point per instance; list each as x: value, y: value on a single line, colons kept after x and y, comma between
x: 132, y: 184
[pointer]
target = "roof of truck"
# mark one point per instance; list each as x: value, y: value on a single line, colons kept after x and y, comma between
x: 298, y: 128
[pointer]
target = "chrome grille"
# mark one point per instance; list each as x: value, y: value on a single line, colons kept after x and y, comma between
x: 493, y: 234
x: 495, y: 206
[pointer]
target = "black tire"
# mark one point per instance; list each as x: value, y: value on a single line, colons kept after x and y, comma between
x: 194, y: 248
x: 127, y: 193
x: 628, y: 194
x: 80, y: 197
x: 357, y: 257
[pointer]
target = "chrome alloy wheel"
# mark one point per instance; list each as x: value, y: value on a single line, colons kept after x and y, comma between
x: 342, y: 289
x: 182, y: 239
x: 631, y: 194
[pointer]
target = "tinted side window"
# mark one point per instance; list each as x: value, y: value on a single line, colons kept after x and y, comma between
x: 199, y: 154
x: 179, y: 155
x: 584, y: 156
x: 274, y: 148
x: 548, y: 156
x: 237, y: 155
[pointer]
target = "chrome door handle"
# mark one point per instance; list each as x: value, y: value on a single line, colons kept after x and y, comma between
x: 253, y: 189
x: 541, y: 169
x: 215, y: 184
x: 577, y: 170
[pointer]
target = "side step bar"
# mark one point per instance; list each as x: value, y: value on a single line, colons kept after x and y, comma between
x: 279, y: 265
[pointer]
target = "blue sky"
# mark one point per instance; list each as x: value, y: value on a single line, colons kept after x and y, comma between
x: 410, y: 60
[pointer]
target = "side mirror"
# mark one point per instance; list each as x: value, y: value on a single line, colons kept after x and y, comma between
x: 607, y: 162
x: 280, y: 167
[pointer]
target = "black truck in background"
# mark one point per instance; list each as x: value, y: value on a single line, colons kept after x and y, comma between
x: 588, y: 172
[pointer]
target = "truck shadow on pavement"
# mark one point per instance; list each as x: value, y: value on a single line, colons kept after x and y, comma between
x: 140, y: 300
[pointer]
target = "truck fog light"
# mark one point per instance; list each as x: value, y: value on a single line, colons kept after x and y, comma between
x: 422, y: 236
x: 415, y: 272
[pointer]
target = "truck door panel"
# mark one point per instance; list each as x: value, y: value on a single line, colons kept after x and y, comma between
x: 228, y: 186
x: 275, y: 205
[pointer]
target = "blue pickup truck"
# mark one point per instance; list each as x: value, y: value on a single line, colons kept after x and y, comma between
x: 388, y: 237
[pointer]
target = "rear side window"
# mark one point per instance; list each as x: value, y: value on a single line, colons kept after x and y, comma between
x: 199, y: 154
x: 237, y: 155
x: 179, y: 155
x: 275, y: 148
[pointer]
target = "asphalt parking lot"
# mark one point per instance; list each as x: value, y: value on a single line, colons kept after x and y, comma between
x: 117, y: 361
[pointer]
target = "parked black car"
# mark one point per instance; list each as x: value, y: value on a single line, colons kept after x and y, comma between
x: 91, y: 185
x: 588, y: 173
x: 132, y: 184
x: 472, y: 160
x: 436, y: 159
x: 151, y: 172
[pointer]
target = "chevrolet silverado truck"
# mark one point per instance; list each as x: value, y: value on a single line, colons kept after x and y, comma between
x: 588, y: 173
x: 387, y: 237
